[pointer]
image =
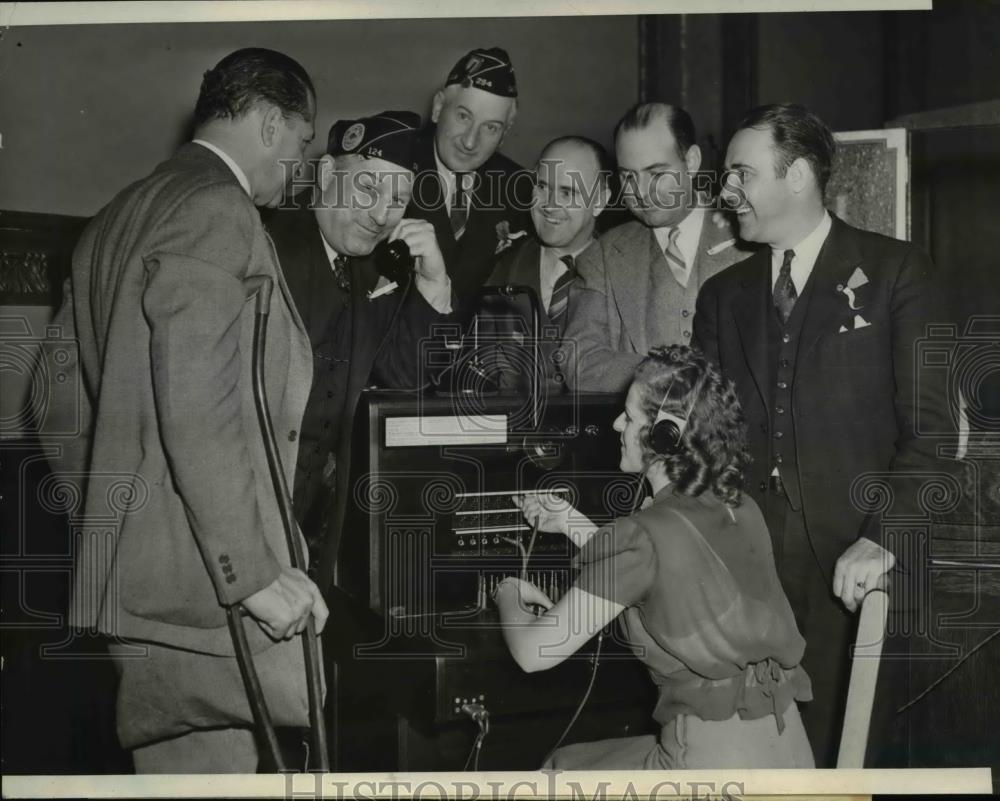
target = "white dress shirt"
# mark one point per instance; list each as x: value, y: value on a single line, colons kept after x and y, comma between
x: 448, y: 181
x: 806, y: 253
x: 222, y: 154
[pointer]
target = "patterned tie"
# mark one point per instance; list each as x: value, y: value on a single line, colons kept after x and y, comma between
x: 784, y: 290
x: 560, y: 292
x: 341, y: 273
x: 459, y: 207
x: 675, y: 259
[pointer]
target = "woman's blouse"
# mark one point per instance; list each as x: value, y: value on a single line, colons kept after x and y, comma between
x: 705, y: 610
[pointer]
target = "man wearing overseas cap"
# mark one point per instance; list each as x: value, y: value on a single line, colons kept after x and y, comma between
x: 469, y: 191
x: 363, y: 327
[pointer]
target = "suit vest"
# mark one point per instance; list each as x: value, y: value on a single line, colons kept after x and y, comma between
x: 669, y: 305
x: 783, y: 350
x: 321, y: 422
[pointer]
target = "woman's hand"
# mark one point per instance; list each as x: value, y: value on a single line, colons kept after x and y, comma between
x: 550, y: 512
x: 517, y: 594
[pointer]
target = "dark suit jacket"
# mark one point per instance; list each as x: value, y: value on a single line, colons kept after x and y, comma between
x: 385, y: 342
x: 509, y: 320
x: 501, y: 198
x: 855, y: 393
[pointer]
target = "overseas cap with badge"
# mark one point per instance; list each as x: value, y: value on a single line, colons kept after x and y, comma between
x: 387, y: 136
x: 486, y: 69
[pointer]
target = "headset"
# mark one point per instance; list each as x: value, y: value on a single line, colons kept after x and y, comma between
x: 666, y: 432
x: 667, y: 429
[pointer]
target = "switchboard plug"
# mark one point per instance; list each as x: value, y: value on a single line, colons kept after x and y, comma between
x: 476, y: 711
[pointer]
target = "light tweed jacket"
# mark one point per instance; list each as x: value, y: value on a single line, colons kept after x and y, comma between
x: 179, y: 516
x: 608, y: 306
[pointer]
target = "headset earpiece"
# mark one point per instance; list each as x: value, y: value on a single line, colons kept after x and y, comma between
x: 665, y: 433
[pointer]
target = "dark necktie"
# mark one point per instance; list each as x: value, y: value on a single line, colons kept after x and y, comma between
x: 459, y: 207
x: 341, y: 273
x: 784, y: 290
x: 560, y: 291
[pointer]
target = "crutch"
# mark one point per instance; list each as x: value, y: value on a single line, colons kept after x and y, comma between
x: 261, y: 287
x: 864, y: 675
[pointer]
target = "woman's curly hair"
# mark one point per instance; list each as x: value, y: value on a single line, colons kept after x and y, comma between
x: 713, y: 453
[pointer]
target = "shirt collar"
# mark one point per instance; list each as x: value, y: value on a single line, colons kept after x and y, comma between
x: 552, y: 254
x: 233, y: 166
x: 448, y: 179
x: 447, y: 176
x: 806, y: 253
x: 331, y: 254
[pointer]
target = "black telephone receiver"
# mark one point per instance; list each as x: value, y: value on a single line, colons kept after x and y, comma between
x: 393, y: 260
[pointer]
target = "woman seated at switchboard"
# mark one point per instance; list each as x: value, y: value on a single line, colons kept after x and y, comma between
x: 690, y: 577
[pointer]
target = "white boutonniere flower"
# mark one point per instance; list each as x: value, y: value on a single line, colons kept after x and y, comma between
x: 852, y: 292
x: 383, y: 287
x: 505, y: 237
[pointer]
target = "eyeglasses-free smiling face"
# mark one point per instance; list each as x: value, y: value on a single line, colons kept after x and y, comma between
x: 362, y: 201
x: 568, y: 196
x: 470, y: 124
x: 629, y: 424
x: 762, y: 201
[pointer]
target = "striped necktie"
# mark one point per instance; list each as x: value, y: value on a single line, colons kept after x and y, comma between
x: 459, y: 215
x: 560, y: 292
x: 675, y: 259
x: 784, y: 291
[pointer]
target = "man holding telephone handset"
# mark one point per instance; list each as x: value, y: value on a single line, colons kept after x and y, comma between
x: 363, y: 326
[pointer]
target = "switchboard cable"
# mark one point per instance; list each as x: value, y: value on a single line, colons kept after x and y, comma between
x: 595, y: 662
x: 639, y: 495
x: 524, y: 555
x: 481, y: 716
x: 531, y: 546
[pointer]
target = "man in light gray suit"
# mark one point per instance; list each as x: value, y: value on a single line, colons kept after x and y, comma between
x: 157, y: 300
x: 639, y: 283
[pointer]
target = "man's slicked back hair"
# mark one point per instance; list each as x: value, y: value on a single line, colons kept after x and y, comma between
x: 797, y: 133
x: 250, y: 76
x: 641, y: 115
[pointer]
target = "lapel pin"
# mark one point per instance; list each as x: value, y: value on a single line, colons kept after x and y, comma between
x: 715, y: 249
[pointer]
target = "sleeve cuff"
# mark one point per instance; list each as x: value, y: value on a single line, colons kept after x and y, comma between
x: 436, y: 293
